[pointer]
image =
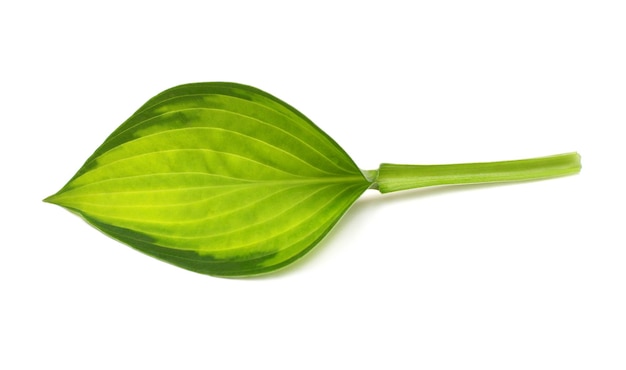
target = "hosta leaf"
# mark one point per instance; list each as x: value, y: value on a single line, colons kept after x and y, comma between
x: 227, y: 180
x: 218, y: 178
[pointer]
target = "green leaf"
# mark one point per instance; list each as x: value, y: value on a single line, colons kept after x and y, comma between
x: 218, y: 178
x: 227, y: 180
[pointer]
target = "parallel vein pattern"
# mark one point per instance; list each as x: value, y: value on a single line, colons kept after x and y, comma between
x: 218, y: 178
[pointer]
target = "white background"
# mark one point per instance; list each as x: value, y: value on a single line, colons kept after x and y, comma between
x: 523, y: 276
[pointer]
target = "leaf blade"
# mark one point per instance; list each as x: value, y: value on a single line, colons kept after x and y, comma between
x: 217, y: 178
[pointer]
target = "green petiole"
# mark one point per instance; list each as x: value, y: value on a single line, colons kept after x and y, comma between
x: 395, y: 177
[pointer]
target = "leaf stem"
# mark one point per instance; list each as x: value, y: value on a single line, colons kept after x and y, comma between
x: 395, y: 177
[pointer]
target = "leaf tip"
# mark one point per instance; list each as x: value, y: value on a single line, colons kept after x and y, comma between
x: 52, y: 199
